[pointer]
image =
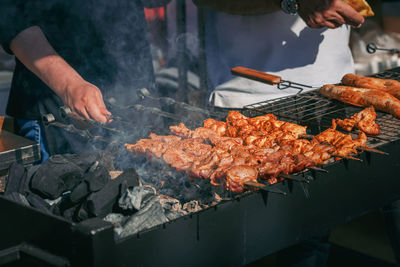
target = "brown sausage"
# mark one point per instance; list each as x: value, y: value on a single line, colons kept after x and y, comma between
x: 363, y: 97
x: 390, y: 86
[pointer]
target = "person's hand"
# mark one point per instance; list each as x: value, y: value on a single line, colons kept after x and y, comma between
x: 328, y: 13
x: 85, y: 100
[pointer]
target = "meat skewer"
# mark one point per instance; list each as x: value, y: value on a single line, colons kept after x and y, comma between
x: 243, y: 150
x: 362, y: 148
x: 200, y: 160
x: 343, y: 143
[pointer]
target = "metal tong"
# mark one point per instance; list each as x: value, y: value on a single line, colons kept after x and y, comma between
x: 372, y: 47
x: 49, y: 119
x: 145, y: 94
x: 263, y: 77
x: 82, y: 123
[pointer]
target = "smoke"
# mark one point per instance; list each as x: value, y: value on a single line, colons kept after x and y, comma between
x: 190, y: 36
x: 107, y: 42
x: 168, y: 181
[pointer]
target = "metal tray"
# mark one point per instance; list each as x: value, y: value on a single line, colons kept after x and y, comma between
x: 14, y: 148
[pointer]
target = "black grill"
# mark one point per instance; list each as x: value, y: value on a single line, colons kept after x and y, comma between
x: 234, y: 232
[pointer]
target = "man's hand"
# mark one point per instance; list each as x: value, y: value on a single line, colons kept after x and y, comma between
x: 35, y: 52
x: 85, y: 100
x: 328, y: 13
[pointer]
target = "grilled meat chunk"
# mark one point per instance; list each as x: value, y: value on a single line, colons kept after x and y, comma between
x: 363, y: 120
x: 238, y: 175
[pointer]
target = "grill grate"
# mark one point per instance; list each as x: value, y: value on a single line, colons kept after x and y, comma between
x: 316, y: 112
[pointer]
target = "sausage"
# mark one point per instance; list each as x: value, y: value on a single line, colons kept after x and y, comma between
x: 363, y: 97
x: 390, y: 86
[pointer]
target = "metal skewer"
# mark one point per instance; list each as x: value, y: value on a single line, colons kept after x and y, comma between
x: 265, y: 187
x: 317, y: 169
x: 66, y: 113
x: 373, y: 150
x: 346, y: 157
x: 372, y: 47
x: 294, y: 178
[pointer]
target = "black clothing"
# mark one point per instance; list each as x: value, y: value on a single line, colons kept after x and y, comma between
x: 104, y: 41
x: 11, y: 23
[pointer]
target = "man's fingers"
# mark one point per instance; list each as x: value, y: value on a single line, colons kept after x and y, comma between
x: 80, y: 112
x: 86, y: 101
x: 95, y: 113
x: 107, y: 114
x: 332, y: 24
x: 332, y: 16
x: 103, y: 109
x: 355, y: 23
x: 350, y: 15
x: 335, y: 22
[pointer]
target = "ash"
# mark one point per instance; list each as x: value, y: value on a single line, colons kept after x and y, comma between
x: 167, y: 181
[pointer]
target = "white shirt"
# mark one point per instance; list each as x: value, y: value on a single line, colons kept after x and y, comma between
x: 276, y: 43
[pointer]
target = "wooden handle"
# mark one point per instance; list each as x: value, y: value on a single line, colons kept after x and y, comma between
x: 256, y: 75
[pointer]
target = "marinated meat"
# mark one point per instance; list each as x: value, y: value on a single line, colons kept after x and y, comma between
x: 237, y: 175
x: 364, y: 121
x: 260, y: 147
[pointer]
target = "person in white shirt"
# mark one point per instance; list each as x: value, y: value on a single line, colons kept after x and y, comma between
x: 311, y: 47
x: 308, y: 43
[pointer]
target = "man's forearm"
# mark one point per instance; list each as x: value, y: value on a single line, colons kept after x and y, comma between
x: 34, y: 51
x: 241, y: 7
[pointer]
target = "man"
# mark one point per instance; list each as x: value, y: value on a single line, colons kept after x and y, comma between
x: 73, y: 53
x: 311, y: 48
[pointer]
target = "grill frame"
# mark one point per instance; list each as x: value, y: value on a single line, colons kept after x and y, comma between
x: 231, y: 233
